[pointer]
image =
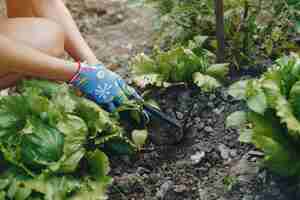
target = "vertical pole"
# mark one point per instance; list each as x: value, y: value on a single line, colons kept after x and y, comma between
x: 220, y: 30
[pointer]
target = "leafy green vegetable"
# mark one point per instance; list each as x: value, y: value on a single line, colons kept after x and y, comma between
x: 41, y: 144
x: 139, y: 137
x: 272, y: 122
x: 254, y: 29
x: 179, y: 64
x: 54, y: 144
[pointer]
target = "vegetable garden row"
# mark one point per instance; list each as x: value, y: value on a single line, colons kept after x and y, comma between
x: 57, y: 145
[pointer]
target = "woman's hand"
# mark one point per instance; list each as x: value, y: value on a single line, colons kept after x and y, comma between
x: 103, y: 86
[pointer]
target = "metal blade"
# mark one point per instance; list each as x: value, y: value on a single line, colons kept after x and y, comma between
x: 157, y: 113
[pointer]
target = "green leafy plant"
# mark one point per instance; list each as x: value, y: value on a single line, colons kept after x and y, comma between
x: 180, y: 64
x: 254, y: 29
x: 54, y: 144
x: 272, y: 123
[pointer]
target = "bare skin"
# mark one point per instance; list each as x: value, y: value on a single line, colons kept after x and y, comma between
x: 34, y: 36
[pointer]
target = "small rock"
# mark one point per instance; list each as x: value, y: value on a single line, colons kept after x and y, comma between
x: 200, y: 126
x: 219, y: 110
x: 189, y: 124
x: 210, y: 104
x: 196, y: 158
x: 208, y: 129
x: 164, y: 188
x: 247, y: 197
x: 212, y: 97
x: 256, y: 153
x: 126, y: 159
x: 179, y: 115
x: 203, y: 194
x: 141, y: 170
x: 197, y: 120
x: 233, y: 153
x: 224, y: 95
x: 244, y: 170
x: 209, y: 121
x: 180, y: 188
x: 263, y: 176
x: 225, y: 151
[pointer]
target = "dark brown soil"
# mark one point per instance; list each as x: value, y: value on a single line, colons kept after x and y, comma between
x: 209, y: 164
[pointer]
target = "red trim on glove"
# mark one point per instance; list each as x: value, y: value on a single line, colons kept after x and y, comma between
x: 77, y: 72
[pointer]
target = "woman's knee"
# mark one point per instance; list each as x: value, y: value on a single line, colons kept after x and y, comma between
x: 39, y: 33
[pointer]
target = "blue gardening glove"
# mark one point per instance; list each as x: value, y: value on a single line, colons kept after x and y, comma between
x: 103, y: 86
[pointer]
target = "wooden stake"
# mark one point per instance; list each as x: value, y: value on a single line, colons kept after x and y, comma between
x: 220, y: 30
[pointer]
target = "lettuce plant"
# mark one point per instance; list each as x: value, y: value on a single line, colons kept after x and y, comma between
x: 191, y: 64
x: 272, y: 122
x: 53, y: 144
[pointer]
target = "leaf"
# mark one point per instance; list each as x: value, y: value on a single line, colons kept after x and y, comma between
x: 295, y: 99
x: 2, y: 195
x: 218, y: 71
x: 4, y: 183
x: 92, y: 191
x: 40, y: 144
x: 238, y: 90
x: 246, y: 135
x: 64, y: 100
x: 236, y: 120
x: 76, y: 132
x: 142, y: 64
x: 139, y: 137
x: 282, y: 107
x: 143, y: 81
x: 53, y: 188
x: 47, y: 88
x: 257, y: 103
x: 269, y: 136
x: 95, y: 117
x: 118, y: 146
x: 7, y: 119
x: 98, y: 164
x: 206, y: 83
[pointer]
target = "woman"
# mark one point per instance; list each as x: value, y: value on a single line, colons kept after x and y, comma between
x: 33, y: 37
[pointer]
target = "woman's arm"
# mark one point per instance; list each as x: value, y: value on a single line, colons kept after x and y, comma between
x: 75, y: 45
x: 21, y: 59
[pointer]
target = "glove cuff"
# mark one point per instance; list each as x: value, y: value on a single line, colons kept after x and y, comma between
x: 76, y: 75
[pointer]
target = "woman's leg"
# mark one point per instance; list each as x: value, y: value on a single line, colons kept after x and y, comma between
x: 38, y: 33
x: 17, y: 8
x: 28, y: 47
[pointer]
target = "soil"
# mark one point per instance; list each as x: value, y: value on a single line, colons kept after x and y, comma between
x: 209, y: 163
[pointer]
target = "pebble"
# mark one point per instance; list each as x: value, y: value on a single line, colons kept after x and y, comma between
x: 180, y: 188
x: 256, y: 153
x: 197, y: 120
x: 142, y: 170
x: 179, y: 115
x: 212, y: 97
x: 196, y: 158
x: 247, y: 197
x: 164, y: 188
x: 233, y: 153
x: 210, y: 104
x: 224, y: 151
x: 253, y: 159
x: 244, y: 170
x: 200, y: 126
x: 209, y: 129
